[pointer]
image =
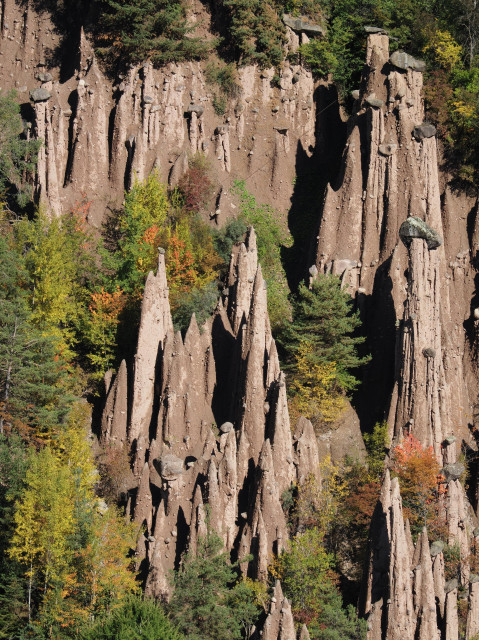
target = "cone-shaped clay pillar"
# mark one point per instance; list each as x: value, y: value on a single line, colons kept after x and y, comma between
x: 304, y: 633
x: 279, y: 623
x: 451, y: 625
x: 401, y: 619
x: 242, y: 272
x: 306, y: 450
x: 154, y: 325
x: 472, y: 624
x: 424, y: 596
x: 421, y: 409
x: 115, y: 413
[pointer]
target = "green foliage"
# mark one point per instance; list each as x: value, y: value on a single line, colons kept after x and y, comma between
x: 153, y: 219
x: 255, y: 32
x: 322, y: 318
x: 154, y: 29
x: 231, y: 233
x: 308, y: 580
x: 271, y: 235
x: 452, y: 561
x: 317, y: 56
x: 61, y: 262
x: 224, y: 78
x: 220, y: 104
x: 208, y: 601
x: 201, y: 302
x: 376, y: 443
x: 18, y: 156
x: 73, y: 550
x: 135, y: 619
x: 149, y: 221
x: 146, y: 207
x: 13, y: 465
x: 31, y: 390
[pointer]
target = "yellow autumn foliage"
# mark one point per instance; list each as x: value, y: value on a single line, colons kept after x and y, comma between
x: 462, y: 110
x: 314, y: 388
x: 446, y: 51
x: 318, y: 501
x: 73, y: 547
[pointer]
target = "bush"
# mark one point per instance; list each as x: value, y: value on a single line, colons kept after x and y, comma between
x: 195, y: 186
x: 224, y: 76
x: 452, y: 561
x: 208, y: 602
x: 255, y: 32
x: 152, y: 219
x: 376, y: 443
x: 309, y: 582
x: 135, y: 30
x: 318, y: 57
x: 136, y: 619
x: 219, y: 105
x: 421, y: 485
x: 201, y: 302
x: 224, y: 239
x: 18, y: 156
x: 271, y: 235
x: 313, y: 388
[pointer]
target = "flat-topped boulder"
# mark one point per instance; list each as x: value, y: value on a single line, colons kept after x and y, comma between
x: 303, y: 25
x: 424, y: 130
x: 416, y: 228
x: 40, y: 95
x: 170, y: 466
x: 375, y: 30
x: 404, y: 61
x: 453, y: 471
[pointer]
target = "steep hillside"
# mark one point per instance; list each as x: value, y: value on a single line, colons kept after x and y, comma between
x: 349, y: 515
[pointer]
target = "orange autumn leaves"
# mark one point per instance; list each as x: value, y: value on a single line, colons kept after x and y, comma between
x: 422, y: 485
x: 187, y: 267
x: 152, y: 218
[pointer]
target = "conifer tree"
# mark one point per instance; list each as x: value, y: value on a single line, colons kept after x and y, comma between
x: 18, y: 156
x: 323, y: 320
x: 13, y: 465
x: 136, y: 619
x: 206, y: 602
x: 30, y: 372
x: 155, y: 29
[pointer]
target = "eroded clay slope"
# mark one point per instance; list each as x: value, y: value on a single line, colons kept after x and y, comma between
x: 390, y: 173
x: 101, y: 132
x: 205, y: 419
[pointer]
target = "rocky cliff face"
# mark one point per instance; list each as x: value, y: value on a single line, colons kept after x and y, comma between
x: 204, y: 416
x: 100, y: 133
x: 206, y: 421
x: 390, y: 173
x: 406, y: 594
x: 404, y: 245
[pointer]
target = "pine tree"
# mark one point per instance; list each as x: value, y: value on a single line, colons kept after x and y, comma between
x: 18, y: 156
x: 323, y: 319
x: 206, y: 602
x: 136, y: 619
x: 30, y: 371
